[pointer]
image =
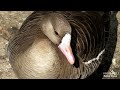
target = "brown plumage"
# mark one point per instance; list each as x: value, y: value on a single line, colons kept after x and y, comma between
x: 34, y: 52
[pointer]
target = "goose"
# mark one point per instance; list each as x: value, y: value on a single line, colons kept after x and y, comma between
x: 58, y: 45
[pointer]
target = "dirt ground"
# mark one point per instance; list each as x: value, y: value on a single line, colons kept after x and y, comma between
x: 12, y: 20
x: 8, y: 20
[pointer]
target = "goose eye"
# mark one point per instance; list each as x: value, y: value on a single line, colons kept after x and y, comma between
x: 56, y: 33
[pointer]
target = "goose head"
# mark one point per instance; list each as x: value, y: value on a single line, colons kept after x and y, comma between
x: 58, y: 30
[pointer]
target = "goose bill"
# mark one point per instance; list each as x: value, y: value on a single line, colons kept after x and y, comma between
x: 66, y: 48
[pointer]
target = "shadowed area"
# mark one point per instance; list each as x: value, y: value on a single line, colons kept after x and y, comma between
x: 110, y: 49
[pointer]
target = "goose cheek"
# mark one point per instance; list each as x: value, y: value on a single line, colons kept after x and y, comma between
x: 67, y: 51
